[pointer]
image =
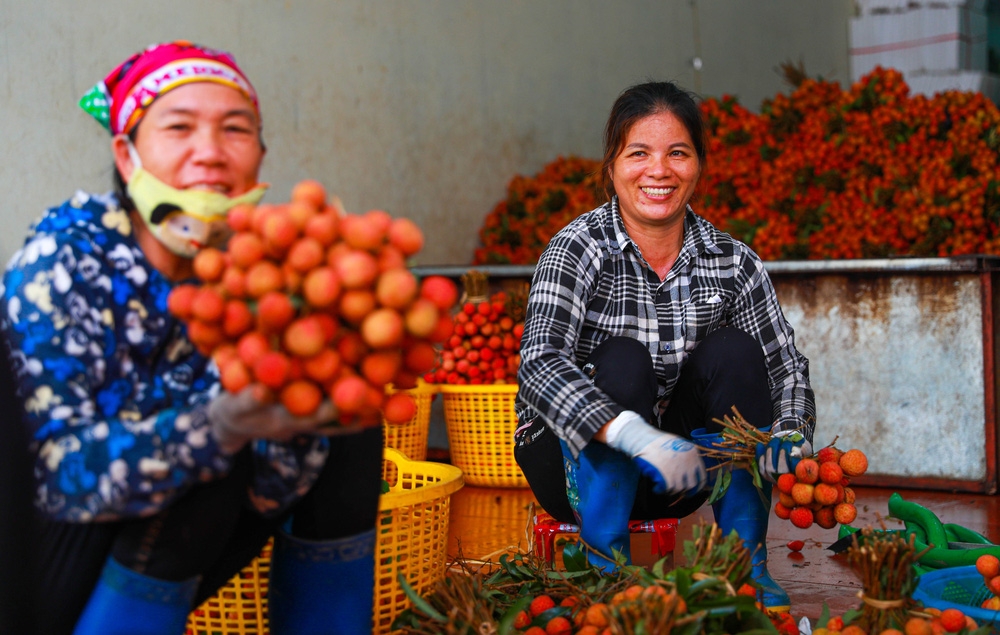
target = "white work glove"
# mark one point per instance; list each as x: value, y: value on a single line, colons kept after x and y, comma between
x: 235, y: 419
x: 781, y: 454
x: 672, y: 462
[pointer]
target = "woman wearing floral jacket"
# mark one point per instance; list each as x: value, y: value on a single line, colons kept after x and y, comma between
x: 154, y: 486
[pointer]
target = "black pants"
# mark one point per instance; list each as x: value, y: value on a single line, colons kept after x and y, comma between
x: 726, y: 369
x: 18, y: 524
x: 210, y: 532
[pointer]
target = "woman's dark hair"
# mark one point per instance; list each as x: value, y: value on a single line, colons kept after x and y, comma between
x: 642, y: 100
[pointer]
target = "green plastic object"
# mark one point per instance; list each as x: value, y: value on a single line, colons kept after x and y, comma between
x: 944, y: 545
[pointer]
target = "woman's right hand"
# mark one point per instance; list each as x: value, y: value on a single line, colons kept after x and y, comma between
x: 672, y: 462
x: 237, y: 418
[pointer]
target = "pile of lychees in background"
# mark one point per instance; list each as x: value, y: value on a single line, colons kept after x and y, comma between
x: 308, y: 302
x: 484, y: 347
x: 485, y: 344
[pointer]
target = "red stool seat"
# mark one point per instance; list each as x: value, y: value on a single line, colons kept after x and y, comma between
x: 546, y: 528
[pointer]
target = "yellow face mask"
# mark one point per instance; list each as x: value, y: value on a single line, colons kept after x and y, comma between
x: 185, y: 221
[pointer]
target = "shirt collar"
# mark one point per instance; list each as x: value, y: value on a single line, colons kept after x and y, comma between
x: 698, y: 235
x: 619, y: 238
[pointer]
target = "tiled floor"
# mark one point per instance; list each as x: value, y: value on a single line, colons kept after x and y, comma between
x: 487, y: 521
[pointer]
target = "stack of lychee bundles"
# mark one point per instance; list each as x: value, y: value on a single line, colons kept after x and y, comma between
x: 309, y: 302
x: 818, y: 491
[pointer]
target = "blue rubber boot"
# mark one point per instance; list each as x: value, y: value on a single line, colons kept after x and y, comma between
x: 746, y: 509
x: 128, y: 603
x: 601, y: 486
x: 322, y: 586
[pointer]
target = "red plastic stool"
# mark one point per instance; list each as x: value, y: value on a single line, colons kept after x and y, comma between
x: 546, y: 528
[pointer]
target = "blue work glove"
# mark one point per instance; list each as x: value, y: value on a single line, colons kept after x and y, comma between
x: 673, y: 463
x: 781, y: 454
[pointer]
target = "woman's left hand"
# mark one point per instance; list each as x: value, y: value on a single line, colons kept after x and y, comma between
x: 781, y: 454
x: 236, y: 419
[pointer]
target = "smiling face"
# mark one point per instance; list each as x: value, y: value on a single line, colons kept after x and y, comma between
x: 656, y: 171
x: 202, y: 135
x: 199, y: 136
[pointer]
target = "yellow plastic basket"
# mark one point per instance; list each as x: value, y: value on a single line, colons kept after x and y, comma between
x: 483, y: 521
x: 412, y: 539
x: 412, y: 531
x: 410, y: 438
x: 240, y: 607
x: 481, y: 423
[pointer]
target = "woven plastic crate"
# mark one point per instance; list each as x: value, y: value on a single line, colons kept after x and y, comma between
x: 240, y: 607
x: 410, y: 438
x: 412, y: 531
x: 483, y: 519
x: 481, y: 421
x: 412, y: 540
x: 956, y: 587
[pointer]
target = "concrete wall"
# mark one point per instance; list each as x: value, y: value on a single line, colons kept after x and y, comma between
x: 425, y: 108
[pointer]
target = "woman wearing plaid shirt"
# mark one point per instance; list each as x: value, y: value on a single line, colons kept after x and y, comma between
x: 645, y: 325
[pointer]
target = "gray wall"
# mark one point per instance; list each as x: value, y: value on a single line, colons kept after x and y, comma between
x: 425, y: 108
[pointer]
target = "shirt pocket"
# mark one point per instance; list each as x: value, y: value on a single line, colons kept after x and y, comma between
x: 704, y: 313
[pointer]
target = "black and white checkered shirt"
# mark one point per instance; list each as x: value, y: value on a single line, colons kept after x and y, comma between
x: 591, y: 283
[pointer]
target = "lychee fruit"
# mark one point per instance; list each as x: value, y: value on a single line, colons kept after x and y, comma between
x: 840, y: 493
x: 918, y: 626
x: 781, y: 511
x: 807, y: 471
x: 994, y: 585
x: 845, y: 513
x: 786, y: 500
x: 830, y: 472
x: 828, y: 454
x: 825, y: 494
x: 559, y: 625
x: 801, y: 517
x: 824, y: 517
x: 540, y: 604
x: 988, y: 566
x: 952, y: 619
x: 854, y: 462
x: 785, y: 483
x: 522, y: 620
x: 802, y: 493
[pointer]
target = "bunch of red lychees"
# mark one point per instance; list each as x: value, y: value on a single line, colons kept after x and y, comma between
x: 818, y: 491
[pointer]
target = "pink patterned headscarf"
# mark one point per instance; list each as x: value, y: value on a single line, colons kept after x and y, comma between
x: 121, y: 99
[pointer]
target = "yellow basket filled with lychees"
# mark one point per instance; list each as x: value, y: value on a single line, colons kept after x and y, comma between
x: 484, y: 347
x: 477, y: 380
x: 308, y: 302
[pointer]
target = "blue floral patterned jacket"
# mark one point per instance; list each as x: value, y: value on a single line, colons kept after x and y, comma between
x: 114, y: 393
